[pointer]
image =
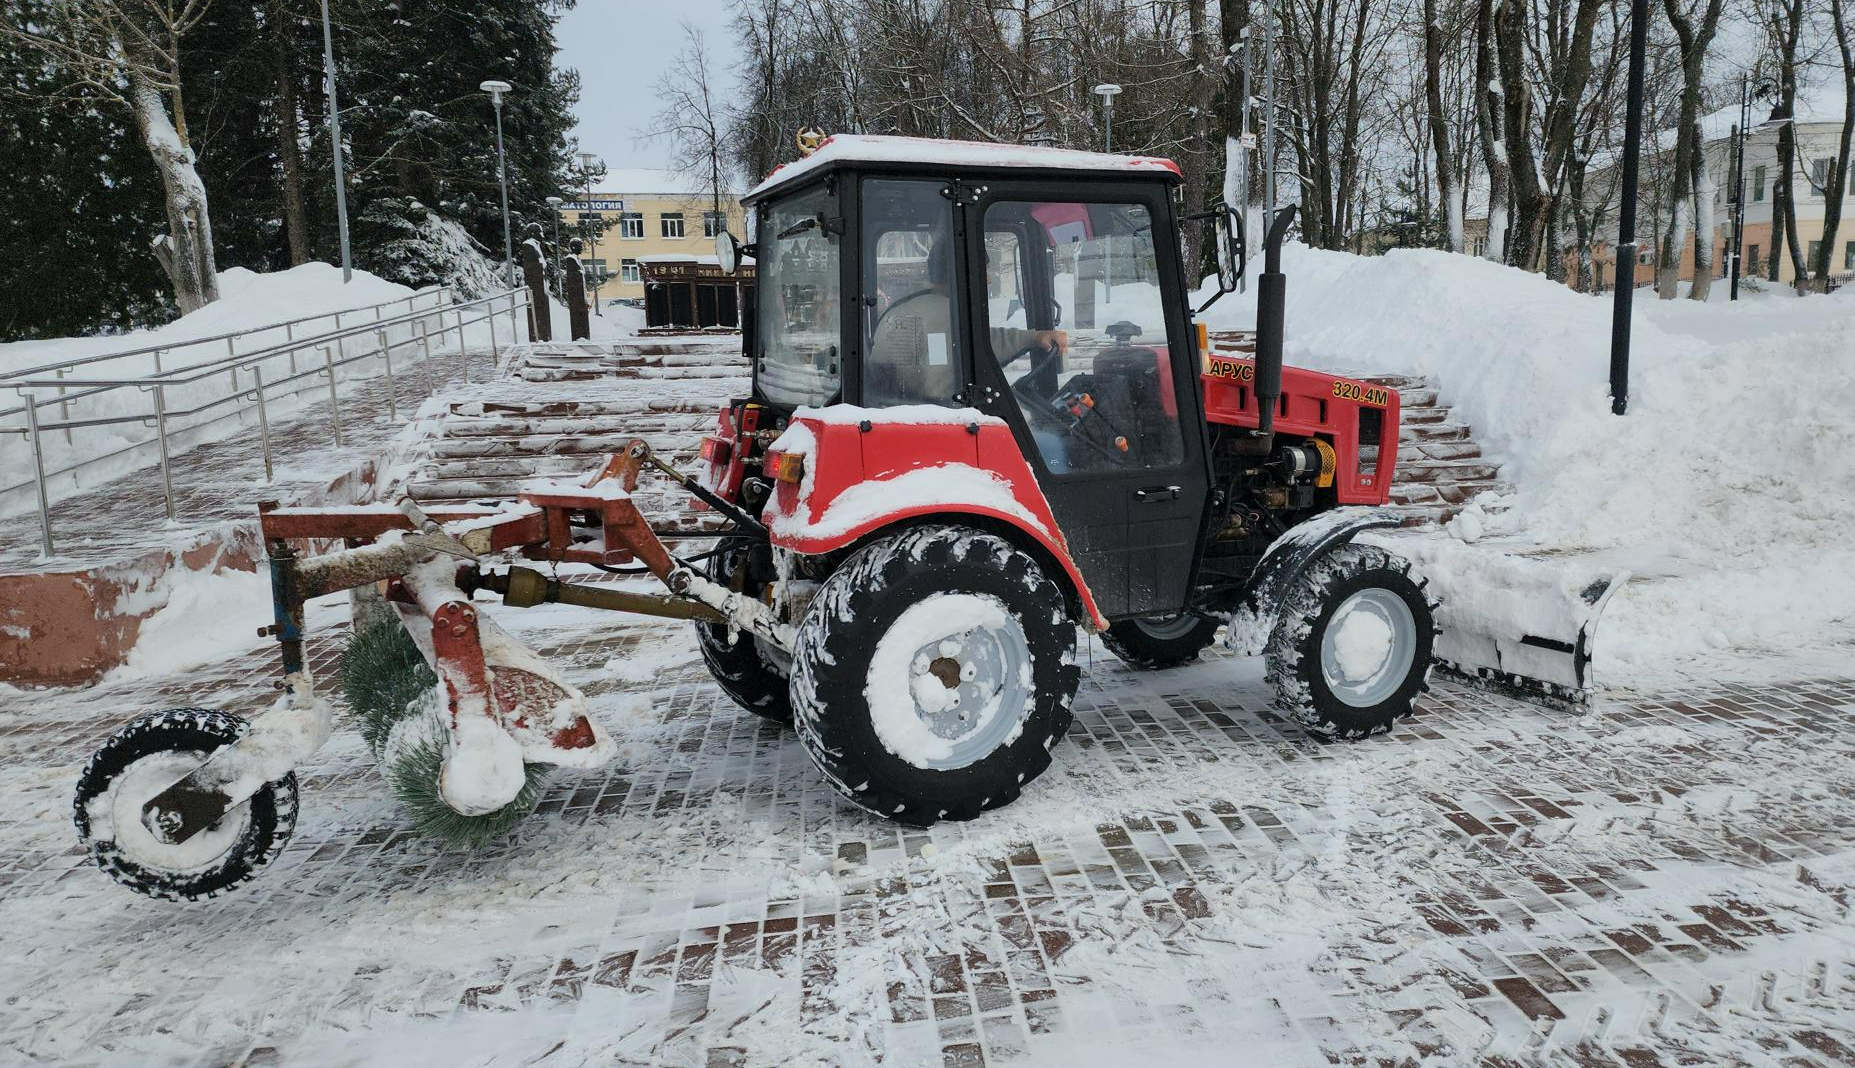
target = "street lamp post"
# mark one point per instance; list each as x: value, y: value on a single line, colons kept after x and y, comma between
x: 495, y: 89
x: 1739, y: 178
x: 1626, y: 217
x: 553, y: 204
x: 1107, y: 91
x: 587, y: 161
x: 334, y: 137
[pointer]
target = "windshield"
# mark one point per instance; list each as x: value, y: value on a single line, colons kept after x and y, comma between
x: 799, y: 287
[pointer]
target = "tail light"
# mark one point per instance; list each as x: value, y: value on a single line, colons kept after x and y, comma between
x: 786, y: 466
x: 717, y: 450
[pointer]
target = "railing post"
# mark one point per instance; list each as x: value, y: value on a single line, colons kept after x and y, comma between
x: 425, y: 343
x: 495, y: 350
x: 289, y: 334
x: 158, y: 361
x: 386, y: 357
x: 264, y: 420
x: 334, y: 399
x: 38, y: 474
x: 167, y: 473
x: 64, y: 407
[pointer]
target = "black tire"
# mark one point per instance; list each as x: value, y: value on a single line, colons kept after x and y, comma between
x: 738, y: 662
x: 1159, y: 642
x: 1302, y: 688
x: 840, y: 642
x: 267, y: 819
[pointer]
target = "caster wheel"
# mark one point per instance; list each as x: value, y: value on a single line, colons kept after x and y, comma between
x: 146, y: 757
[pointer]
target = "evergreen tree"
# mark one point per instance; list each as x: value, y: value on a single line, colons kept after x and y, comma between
x: 79, y: 198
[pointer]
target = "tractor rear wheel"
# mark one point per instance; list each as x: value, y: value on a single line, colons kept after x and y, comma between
x: 934, y: 673
x: 1160, y: 641
x: 1351, y: 646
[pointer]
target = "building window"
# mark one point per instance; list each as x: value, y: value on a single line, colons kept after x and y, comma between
x: 1758, y: 183
x: 1753, y: 262
x: 596, y: 268
x: 631, y: 225
x: 628, y: 272
x: 1819, y: 176
x: 713, y: 222
x: 672, y: 223
x: 1816, y: 249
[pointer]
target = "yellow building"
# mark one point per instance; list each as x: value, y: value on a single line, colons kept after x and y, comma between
x: 648, y: 213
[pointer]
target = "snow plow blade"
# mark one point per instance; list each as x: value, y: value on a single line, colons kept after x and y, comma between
x: 1524, y: 626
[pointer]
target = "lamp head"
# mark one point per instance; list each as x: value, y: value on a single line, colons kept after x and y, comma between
x: 495, y: 89
x: 1107, y: 91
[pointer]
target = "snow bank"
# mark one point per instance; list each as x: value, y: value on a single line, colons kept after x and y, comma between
x: 1729, y: 489
x: 246, y: 300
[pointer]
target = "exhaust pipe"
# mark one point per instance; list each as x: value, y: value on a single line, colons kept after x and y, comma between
x: 1271, y: 306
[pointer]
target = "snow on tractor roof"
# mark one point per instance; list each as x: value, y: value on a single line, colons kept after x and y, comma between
x: 864, y: 148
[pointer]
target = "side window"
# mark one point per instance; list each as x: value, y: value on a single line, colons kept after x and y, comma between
x: 1078, y: 327
x: 910, y: 345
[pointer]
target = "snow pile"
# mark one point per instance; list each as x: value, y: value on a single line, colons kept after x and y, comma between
x: 1729, y: 489
x: 246, y: 300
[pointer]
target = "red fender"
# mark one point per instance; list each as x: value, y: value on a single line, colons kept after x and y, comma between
x: 869, y: 468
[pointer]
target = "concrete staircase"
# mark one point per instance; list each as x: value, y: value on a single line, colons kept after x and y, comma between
x: 564, y: 407
x: 1440, y: 464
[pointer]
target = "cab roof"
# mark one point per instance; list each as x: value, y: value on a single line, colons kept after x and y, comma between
x: 852, y: 149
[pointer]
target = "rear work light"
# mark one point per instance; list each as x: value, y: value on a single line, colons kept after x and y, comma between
x: 717, y: 450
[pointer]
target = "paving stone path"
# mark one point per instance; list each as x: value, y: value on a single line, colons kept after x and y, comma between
x: 1664, y: 881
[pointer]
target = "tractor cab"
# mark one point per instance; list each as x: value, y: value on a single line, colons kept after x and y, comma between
x: 1041, y: 287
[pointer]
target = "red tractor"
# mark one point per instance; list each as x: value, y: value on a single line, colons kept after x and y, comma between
x: 982, y: 416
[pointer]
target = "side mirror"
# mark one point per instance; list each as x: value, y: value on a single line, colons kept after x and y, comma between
x: 1232, y: 248
x: 729, y: 251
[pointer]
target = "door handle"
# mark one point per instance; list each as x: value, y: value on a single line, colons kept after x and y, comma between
x: 1155, y: 494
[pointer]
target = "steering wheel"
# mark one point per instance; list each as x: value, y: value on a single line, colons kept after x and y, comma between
x: 1050, y: 409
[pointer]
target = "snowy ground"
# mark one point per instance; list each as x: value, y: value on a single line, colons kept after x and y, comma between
x: 1663, y: 879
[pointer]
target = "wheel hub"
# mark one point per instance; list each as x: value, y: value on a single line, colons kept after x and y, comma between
x: 1368, y: 647
x: 964, y: 665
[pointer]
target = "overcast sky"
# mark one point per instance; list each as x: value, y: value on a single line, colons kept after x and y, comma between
x: 620, y: 47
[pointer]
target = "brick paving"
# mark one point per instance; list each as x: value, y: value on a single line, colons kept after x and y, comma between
x: 1664, y: 881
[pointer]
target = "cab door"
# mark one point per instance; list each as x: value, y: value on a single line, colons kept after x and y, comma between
x: 1110, y: 423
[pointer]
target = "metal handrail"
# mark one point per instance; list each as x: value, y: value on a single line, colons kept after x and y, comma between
x: 438, y: 291
x: 181, y: 376
x: 329, y: 343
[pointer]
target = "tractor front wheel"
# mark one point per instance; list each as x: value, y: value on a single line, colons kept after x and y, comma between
x: 1351, y: 646
x: 934, y: 674
x: 1160, y: 641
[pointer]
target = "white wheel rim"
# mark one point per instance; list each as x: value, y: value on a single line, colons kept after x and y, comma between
x: 139, y: 783
x: 950, y: 681
x: 1348, y: 679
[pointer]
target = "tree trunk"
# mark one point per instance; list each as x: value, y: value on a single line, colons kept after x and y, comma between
x: 1703, y: 221
x: 1839, y: 170
x: 1199, y: 92
x: 1233, y: 19
x: 186, y: 250
x: 1530, y: 199
x: 1489, y: 112
x: 289, y: 148
x: 1439, y: 125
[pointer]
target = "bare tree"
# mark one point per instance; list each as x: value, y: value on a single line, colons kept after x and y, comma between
x: 1842, y: 16
x: 128, y: 52
x: 1490, y: 118
x: 690, y: 119
x: 1448, y: 181
x: 1693, y: 190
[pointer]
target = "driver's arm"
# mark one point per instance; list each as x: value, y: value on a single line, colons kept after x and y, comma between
x: 1007, y: 340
